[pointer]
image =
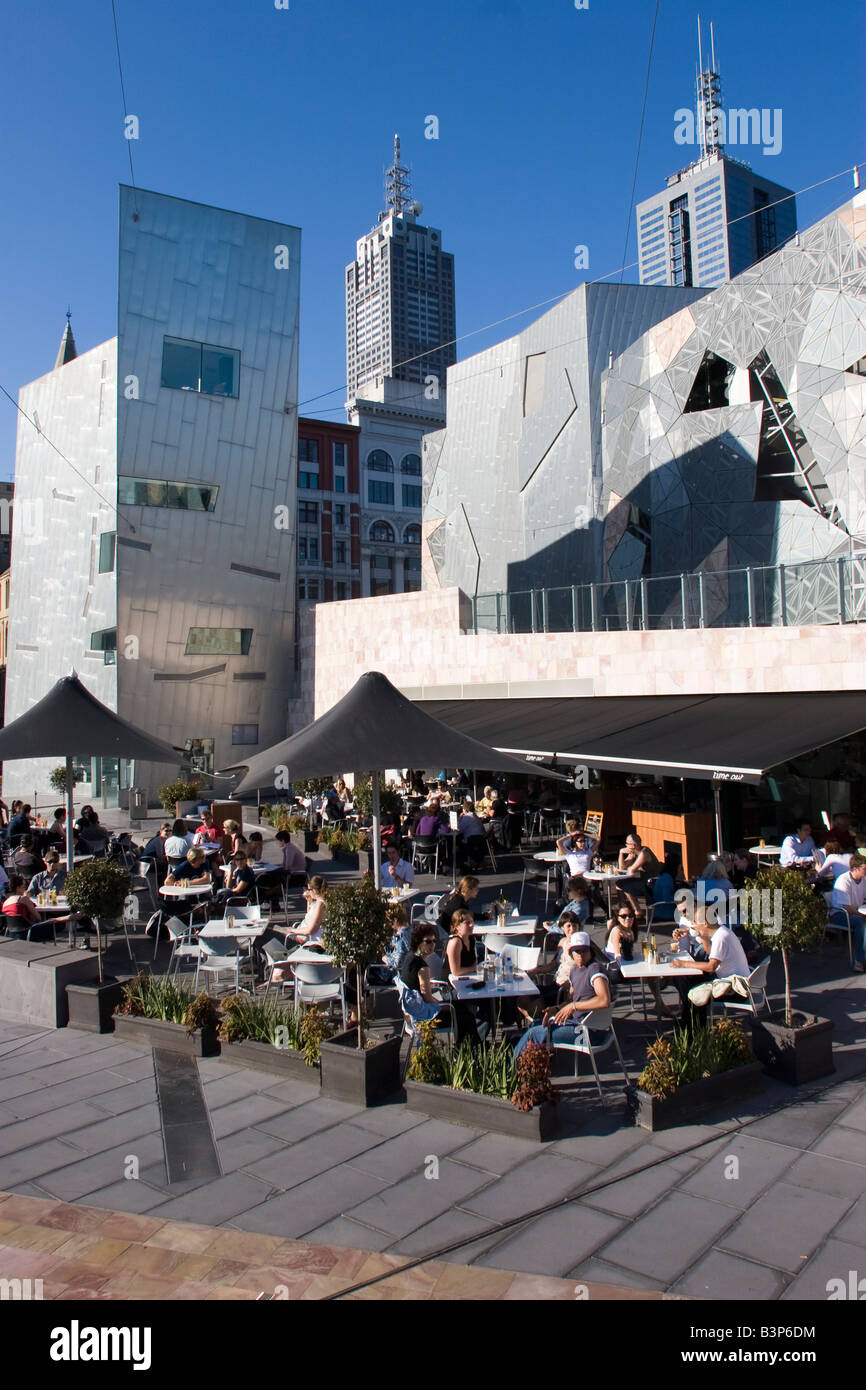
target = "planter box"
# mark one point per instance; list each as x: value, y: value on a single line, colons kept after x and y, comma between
x: 345, y: 856
x: 92, y: 1005
x: 282, y: 1061
x: 305, y: 840
x: 155, y: 1032
x: 483, y: 1112
x: 797, y: 1054
x: 361, y: 1076
x: 698, y: 1098
x: 182, y: 809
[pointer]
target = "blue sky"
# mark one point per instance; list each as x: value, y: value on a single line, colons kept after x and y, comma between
x: 290, y: 115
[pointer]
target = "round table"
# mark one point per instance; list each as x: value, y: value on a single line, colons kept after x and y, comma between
x: 596, y: 876
x: 549, y: 857
x: 185, y: 890
x: 78, y: 858
x: 766, y: 851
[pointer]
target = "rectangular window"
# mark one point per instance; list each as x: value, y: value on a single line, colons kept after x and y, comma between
x: 105, y: 641
x: 308, y: 450
x: 339, y: 455
x: 245, y: 733
x: 107, y: 543
x: 189, y: 366
x: 308, y: 513
x: 411, y: 495
x: 308, y: 589
x: 153, y: 492
x: 380, y: 493
x: 340, y: 514
x: 340, y: 589
x: 339, y: 482
x: 218, y: 641
x: 308, y: 480
x: 339, y: 552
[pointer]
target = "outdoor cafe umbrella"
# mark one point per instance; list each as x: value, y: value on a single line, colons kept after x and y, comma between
x: 373, y: 727
x: 69, y: 720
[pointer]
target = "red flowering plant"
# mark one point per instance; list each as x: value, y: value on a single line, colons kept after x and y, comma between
x: 534, y: 1085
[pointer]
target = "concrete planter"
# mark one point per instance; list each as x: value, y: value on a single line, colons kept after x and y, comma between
x: 92, y: 1005
x: 361, y: 1076
x: 155, y: 1032
x: 305, y: 840
x: 487, y: 1113
x: 182, y: 809
x: 698, y: 1098
x: 797, y: 1054
x: 34, y: 978
x: 282, y: 1061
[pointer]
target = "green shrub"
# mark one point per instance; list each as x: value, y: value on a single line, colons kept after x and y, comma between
x: 357, y: 930
x: 362, y: 797
x: 803, y: 918
x: 688, y: 1057
x: 155, y: 996
x: 173, y: 792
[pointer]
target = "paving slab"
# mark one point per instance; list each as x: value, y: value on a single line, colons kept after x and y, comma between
x: 388, y: 1120
x: 417, y: 1200
x: 127, y: 1196
x: 126, y: 1128
x: 343, y: 1231
x: 443, y: 1231
x: 304, y: 1120
x: 532, y: 1184
x: 309, y: 1206
x: 555, y: 1243
x: 740, y: 1171
x: 835, y: 1260
x: 799, y: 1125
x: 852, y: 1227
x: 74, y: 1174
x: 217, y: 1201
x: 496, y: 1153
x: 839, y: 1142
x: 251, y: 1111
x: 293, y: 1092
x: 237, y: 1151
x: 293, y: 1164
x: 836, y: 1175
x: 409, y: 1153
x: 129, y: 1096
x: 636, y: 1194
x: 238, y: 1086
x: 729, y: 1278
x: 35, y: 1162
x: 50, y: 1124
x: 663, y: 1243
x: 599, y: 1271
x: 855, y: 1116
x: 784, y: 1227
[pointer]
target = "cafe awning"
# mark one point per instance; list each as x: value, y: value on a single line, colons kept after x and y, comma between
x: 729, y: 738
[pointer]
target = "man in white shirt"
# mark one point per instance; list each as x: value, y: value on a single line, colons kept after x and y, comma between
x: 396, y: 872
x: 726, y: 957
x: 849, y: 894
x: 798, y: 848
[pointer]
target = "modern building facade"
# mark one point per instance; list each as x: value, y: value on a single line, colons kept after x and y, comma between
x: 691, y: 433
x: 164, y: 571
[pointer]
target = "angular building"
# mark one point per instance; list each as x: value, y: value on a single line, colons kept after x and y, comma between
x: 163, y: 565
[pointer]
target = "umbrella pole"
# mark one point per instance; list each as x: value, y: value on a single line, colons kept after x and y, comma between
x: 717, y: 798
x: 377, y: 836
x: 69, y: 838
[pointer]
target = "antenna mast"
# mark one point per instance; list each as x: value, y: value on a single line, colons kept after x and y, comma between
x: 709, y: 98
x: 397, y: 183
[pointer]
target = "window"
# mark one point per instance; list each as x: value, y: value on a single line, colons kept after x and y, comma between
x: 412, y: 535
x: 152, y: 492
x: 188, y: 366
x: 308, y: 480
x: 411, y: 463
x: 308, y: 589
x: 340, y: 455
x: 411, y: 495
x: 105, y: 641
x: 340, y: 514
x: 339, y: 552
x: 218, y: 641
x: 245, y: 733
x: 308, y: 513
x: 308, y: 549
x: 340, y: 589
x: 308, y: 451
x: 381, y: 563
x: 107, y: 543
x: 380, y: 461
x: 381, y: 531
x: 380, y: 492
x: 339, y: 482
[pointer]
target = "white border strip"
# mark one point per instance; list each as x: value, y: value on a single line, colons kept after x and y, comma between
x: 593, y: 760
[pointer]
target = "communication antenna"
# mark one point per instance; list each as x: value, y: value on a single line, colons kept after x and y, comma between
x: 709, y: 98
x: 397, y: 183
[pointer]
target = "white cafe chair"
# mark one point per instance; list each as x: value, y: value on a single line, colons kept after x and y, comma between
x: 319, y: 983
x: 838, y: 920
x: 599, y: 1020
x: 757, y: 983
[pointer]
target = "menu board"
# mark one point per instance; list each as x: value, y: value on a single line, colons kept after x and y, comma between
x: 592, y: 824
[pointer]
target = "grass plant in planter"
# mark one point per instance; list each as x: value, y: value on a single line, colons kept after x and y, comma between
x: 261, y: 1033
x: 356, y: 933
x: 163, y: 1013
x: 97, y: 889
x: 692, y: 1073
x: 794, y: 1046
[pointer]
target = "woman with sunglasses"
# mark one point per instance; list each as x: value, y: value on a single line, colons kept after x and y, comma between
x: 415, y: 970
x: 620, y: 946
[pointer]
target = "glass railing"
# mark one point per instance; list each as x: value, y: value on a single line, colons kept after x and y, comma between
x: 816, y: 592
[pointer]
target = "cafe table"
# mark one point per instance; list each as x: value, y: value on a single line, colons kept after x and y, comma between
x: 766, y: 851
x: 514, y: 926
x: 549, y: 857
x: 599, y: 876
x: 403, y: 896
x: 78, y: 858
x: 302, y: 955
x: 658, y: 970
x: 186, y: 890
x: 520, y: 987
x: 59, y: 909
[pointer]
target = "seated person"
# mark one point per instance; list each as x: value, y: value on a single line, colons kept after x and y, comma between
x: 26, y: 859
x: 467, y: 889
x: 390, y: 828
x: 577, y: 848
x: 590, y: 990
x: 255, y: 846
x: 207, y: 833
x: 472, y: 843
x: 415, y: 973
x: 233, y: 829
x: 637, y: 859
x: 396, y: 872
x: 20, y: 914
x: 849, y: 894
x: 836, y: 862
x: 179, y: 841
x: 725, y: 958
x: 240, y: 879
x: 429, y: 822
x: 192, y: 870
x: 19, y: 824
x: 484, y: 807
x: 56, y: 831
x: 50, y: 879
x: 294, y: 859
x: 798, y: 848
x: 578, y: 901
x: 663, y: 889
x: 308, y: 932
x: 91, y: 834
x: 840, y: 831
x: 400, y: 941
x: 620, y: 934
x: 713, y: 881
x: 461, y: 958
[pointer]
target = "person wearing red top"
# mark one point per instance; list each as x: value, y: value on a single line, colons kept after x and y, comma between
x: 207, y: 833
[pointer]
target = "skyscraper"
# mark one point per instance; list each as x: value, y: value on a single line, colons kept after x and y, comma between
x: 716, y: 217
x: 400, y: 319
x: 400, y: 331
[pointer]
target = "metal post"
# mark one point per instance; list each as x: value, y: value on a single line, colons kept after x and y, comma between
x: 841, y: 564
x: 507, y: 612
x: 783, y: 597
x: 70, y: 843
x: 643, y: 621
x: 750, y: 595
x: 498, y: 613
x: 717, y: 800
x: 544, y: 611
x: 532, y: 609
x: 683, y: 597
x: 593, y: 608
x: 377, y: 834
x: 574, y: 619
x: 628, y: 613
x: 700, y: 598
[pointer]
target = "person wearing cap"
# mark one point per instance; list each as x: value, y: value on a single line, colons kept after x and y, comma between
x: 52, y: 878
x: 590, y: 990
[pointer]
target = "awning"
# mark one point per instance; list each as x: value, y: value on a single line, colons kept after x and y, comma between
x: 729, y: 738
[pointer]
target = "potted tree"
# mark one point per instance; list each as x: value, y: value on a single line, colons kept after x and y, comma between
x: 97, y: 889
x: 793, y: 1046
x: 356, y: 933
x: 308, y: 835
x: 179, y: 798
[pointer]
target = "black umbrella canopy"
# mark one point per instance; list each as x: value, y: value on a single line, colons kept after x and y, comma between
x: 371, y: 728
x: 69, y: 720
